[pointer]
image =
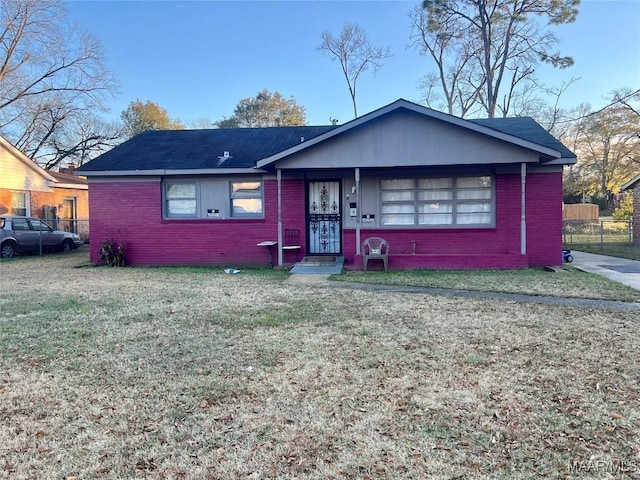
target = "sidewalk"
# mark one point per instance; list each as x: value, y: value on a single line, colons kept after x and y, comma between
x: 618, y: 269
x: 322, y: 281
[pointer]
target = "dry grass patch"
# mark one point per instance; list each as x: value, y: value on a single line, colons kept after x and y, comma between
x: 569, y: 282
x: 171, y: 373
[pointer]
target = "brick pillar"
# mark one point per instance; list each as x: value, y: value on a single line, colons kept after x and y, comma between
x: 636, y: 215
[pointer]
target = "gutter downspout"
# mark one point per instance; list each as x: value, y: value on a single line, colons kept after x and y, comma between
x: 523, y: 206
x: 279, y: 177
x: 357, y: 175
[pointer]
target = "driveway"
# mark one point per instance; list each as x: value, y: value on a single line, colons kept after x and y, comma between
x: 618, y: 269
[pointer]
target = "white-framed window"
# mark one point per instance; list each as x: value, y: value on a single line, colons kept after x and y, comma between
x: 181, y: 200
x: 437, y: 201
x: 474, y: 201
x: 246, y: 199
x: 19, y: 203
x: 213, y: 198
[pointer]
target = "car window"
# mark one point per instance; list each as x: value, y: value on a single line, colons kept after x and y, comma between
x: 20, y: 224
x: 38, y: 225
x: 2, y: 222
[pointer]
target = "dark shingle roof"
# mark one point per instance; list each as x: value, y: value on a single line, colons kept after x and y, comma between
x: 527, y: 129
x: 201, y: 149
x: 204, y: 149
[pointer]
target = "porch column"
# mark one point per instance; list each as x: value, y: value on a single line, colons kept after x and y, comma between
x: 523, y: 207
x: 279, y: 177
x: 357, y: 174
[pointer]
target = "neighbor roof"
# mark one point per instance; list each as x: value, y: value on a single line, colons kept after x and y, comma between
x: 68, y: 178
x: 26, y: 160
x: 631, y: 183
x: 200, y: 149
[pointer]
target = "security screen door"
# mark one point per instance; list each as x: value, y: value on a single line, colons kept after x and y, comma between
x: 324, y: 220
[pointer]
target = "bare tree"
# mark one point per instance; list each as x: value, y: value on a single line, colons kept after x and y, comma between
x: 546, y: 111
x: 453, y: 54
x: 52, y: 75
x: 491, y: 48
x: 630, y: 99
x: 82, y: 139
x: 355, y: 54
x: 608, y: 148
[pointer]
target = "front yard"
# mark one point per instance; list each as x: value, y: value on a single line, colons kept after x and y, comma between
x: 192, y: 373
x: 569, y: 282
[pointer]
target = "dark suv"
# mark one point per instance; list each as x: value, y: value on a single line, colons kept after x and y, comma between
x: 26, y: 234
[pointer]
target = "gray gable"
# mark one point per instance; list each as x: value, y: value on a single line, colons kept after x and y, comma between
x: 200, y: 149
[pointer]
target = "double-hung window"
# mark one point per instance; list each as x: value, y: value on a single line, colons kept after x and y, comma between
x: 246, y: 199
x: 474, y: 202
x: 19, y: 203
x: 437, y: 201
x: 398, y: 201
x: 181, y: 199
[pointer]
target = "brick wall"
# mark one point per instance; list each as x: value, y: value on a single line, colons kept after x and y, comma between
x: 497, y: 247
x: 55, y: 197
x: 131, y: 212
x: 544, y: 219
x: 5, y: 201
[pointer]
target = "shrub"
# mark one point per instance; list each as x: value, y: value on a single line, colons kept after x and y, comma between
x: 112, y: 253
x: 624, y: 210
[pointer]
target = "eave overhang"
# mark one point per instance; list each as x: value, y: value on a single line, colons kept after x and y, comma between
x: 75, y: 186
x: 168, y: 172
x: 561, y: 161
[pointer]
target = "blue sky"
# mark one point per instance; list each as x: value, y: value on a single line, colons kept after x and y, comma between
x: 197, y: 59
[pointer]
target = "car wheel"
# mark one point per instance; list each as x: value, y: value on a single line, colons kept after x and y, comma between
x: 8, y: 250
x: 569, y: 258
x: 67, y: 246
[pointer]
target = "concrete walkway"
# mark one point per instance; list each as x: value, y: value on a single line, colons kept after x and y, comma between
x: 322, y: 281
x: 618, y: 269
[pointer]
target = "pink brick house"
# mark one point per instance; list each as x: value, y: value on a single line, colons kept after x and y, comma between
x: 443, y: 191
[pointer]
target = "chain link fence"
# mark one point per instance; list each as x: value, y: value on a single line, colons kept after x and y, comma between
x: 79, y: 226
x: 73, y: 225
x: 597, y: 233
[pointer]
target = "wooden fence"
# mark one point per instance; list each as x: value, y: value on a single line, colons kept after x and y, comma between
x: 581, y: 211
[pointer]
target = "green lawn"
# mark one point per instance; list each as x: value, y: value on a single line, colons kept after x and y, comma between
x: 567, y: 283
x: 170, y: 373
